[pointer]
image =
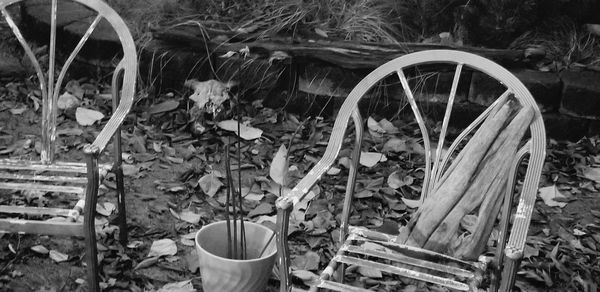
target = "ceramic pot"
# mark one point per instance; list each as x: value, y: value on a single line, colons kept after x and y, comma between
x: 221, y: 274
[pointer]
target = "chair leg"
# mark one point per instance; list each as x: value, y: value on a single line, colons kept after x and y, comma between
x: 118, y: 170
x: 89, y: 215
x: 92, y: 256
x: 121, y: 203
x: 509, y: 273
x: 284, y: 208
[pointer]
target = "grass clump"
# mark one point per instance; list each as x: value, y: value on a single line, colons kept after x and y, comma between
x: 354, y: 20
x: 566, y: 44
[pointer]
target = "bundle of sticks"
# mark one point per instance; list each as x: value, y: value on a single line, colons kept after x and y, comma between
x: 475, y: 181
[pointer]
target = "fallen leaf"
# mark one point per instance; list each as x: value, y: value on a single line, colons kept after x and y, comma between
x: 192, y: 261
x: 254, y: 197
x: 374, y: 128
x: 246, y: 132
x: 100, y: 209
x: 18, y: 110
x: 146, y: 263
x: 264, y: 218
x: 262, y: 209
x: 394, y: 180
x: 549, y: 193
x: 162, y: 107
x: 187, y: 216
x: 388, y: 127
x: 333, y: 171
x: 279, y: 166
x: 67, y: 101
x: 307, y: 277
x: 163, y: 247
x: 530, y: 251
x: 411, y: 203
x: 345, y: 162
x: 87, y: 117
x: 75, y: 88
x: 69, y: 132
x: 187, y: 242
x: 135, y: 244
x: 370, y: 159
x: 363, y: 194
x: 130, y: 170
x: 371, y: 273
x: 40, y: 249
x: 58, y: 256
x: 183, y: 286
x: 210, y: 184
x: 212, y: 91
x: 592, y: 173
x: 321, y: 32
x: 308, y: 261
x: 395, y: 145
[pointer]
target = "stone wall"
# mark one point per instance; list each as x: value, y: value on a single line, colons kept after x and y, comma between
x: 569, y: 100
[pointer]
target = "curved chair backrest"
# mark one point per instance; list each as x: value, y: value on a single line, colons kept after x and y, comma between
x: 535, y: 147
x: 50, y: 84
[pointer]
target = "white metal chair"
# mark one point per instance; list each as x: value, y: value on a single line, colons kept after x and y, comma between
x: 81, y: 179
x: 412, y: 262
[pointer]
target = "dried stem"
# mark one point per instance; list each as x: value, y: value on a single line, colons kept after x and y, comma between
x: 228, y: 199
x: 239, y: 189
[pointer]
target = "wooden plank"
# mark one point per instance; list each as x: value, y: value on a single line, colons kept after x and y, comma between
x: 42, y: 178
x: 41, y: 187
x: 41, y: 227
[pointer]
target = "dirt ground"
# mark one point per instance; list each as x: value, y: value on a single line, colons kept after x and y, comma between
x: 165, y: 162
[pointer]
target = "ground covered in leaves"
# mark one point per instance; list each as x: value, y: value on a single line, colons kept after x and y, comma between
x: 175, y: 185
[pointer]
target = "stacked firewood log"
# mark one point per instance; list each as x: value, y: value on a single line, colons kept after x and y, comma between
x: 475, y: 182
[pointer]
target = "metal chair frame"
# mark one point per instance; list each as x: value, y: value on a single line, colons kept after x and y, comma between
x: 49, y: 175
x: 509, y: 252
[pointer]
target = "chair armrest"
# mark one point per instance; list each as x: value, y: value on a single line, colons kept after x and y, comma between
x: 286, y: 203
x: 513, y: 252
x: 299, y: 192
x: 121, y: 103
x: 520, y: 227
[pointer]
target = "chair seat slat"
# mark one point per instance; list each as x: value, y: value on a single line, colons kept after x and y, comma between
x: 335, y: 286
x: 35, y: 211
x: 403, y: 259
x: 42, y: 178
x: 402, y: 272
x: 41, y: 187
x: 359, y: 233
x: 41, y: 227
x: 77, y: 167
